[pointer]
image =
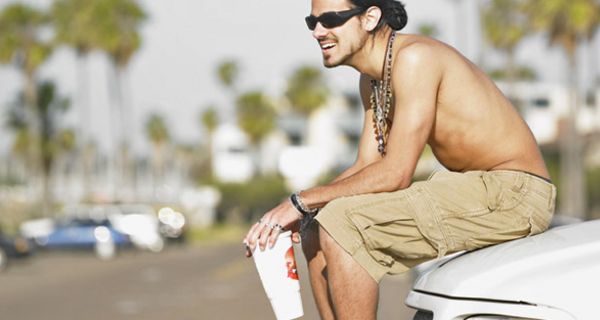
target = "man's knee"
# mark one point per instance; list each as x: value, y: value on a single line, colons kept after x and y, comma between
x: 325, y: 240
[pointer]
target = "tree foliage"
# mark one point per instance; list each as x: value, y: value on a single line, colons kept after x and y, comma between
x: 20, y: 37
x: 504, y: 24
x: 157, y: 130
x: 75, y: 24
x: 566, y: 21
x: 428, y: 29
x: 228, y: 72
x: 256, y: 115
x: 118, y: 28
x: 307, y: 90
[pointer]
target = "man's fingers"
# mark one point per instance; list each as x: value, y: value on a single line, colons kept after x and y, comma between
x: 250, y: 234
x: 296, y: 237
x: 273, y: 237
x: 248, y: 252
x: 264, y: 235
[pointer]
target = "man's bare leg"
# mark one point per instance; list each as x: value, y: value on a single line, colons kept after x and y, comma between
x: 354, y: 292
x: 318, y: 273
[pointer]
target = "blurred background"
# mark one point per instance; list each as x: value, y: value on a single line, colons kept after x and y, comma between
x: 145, y: 136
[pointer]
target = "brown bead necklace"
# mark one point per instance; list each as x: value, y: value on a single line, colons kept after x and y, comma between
x: 381, y: 100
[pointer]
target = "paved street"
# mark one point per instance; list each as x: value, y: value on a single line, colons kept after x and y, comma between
x: 188, y: 282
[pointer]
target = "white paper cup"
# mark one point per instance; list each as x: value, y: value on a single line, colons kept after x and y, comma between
x: 279, y: 275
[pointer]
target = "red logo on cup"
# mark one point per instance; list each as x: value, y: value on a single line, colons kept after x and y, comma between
x: 290, y: 262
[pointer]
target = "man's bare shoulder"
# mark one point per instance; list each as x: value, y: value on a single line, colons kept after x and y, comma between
x: 420, y: 50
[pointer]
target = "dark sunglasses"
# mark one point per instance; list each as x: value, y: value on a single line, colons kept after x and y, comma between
x: 332, y: 19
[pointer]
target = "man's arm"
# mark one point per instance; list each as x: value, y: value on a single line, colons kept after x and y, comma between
x: 416, y: 78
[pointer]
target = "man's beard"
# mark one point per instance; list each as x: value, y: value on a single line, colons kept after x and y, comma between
x: 338, y: 61
x: 343, y: 58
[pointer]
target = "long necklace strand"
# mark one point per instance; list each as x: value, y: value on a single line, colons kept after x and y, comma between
x: 381, y: 100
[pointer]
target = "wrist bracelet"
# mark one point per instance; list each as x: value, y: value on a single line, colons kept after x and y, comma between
x: 302, y: 209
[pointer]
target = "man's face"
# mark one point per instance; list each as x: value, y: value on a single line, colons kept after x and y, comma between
x: 338, y: 44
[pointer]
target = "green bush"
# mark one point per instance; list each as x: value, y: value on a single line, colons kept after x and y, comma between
x: 246, y: 202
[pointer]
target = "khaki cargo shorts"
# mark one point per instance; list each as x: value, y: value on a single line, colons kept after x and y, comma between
x: 388, y: 233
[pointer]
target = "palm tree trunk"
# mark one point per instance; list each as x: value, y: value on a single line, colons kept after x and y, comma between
x: 593, y: 62
x: 115, y: 136
x: 460, y: 25
x: 122, y: 141
x: 511, y: 77
x: 573, y: 195
x: 35, y: 146
x: 85, y: 142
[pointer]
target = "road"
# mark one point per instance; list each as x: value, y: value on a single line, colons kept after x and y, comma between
x: 182, y: 282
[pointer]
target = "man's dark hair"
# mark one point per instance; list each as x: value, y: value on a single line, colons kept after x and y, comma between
x: 393, y: 12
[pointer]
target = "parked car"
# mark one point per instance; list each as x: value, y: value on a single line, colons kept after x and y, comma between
x: 553, y: 276
x: 11, y: 248
x: 84, y: 233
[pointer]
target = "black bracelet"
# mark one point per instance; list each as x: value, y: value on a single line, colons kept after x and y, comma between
x: 304, y: 210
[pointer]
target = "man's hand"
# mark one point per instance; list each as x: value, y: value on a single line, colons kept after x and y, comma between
x: 282, y: 218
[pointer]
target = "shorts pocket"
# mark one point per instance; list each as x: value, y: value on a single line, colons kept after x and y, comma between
x: 409, y: 228
x: 394, y: 233
x: 396, y: 239
x: 503, y: 195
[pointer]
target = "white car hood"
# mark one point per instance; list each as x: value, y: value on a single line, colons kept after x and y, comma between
x: 558, y: 268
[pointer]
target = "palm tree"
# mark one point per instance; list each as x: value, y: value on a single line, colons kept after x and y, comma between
x: 118, y: 28
x: 307, y: 91
x: 21, y: 44
x: 568, y: 23
x: 209, y: 119
x: 256, y: 115
x: 76, y: 24
x: 504, y: 27
x: 228, y: 72
x: 50, y: 107
x: 158, y: 134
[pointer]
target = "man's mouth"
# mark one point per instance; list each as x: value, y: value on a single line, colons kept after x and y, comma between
x: 327, y: 46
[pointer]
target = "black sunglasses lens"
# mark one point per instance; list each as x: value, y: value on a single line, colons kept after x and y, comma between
x: 311, y: 22
x: 332, y: 20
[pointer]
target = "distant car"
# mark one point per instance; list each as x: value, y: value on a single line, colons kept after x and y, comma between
x: 84, y: 233
x: 553, y: 276
x: 11, y: 248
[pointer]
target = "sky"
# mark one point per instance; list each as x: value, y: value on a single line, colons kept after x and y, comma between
x: 174, y: 73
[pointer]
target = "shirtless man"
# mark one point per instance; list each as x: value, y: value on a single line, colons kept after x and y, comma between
x: 371, y: 219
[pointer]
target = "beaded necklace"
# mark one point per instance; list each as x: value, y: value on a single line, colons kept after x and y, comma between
x: 381, y: 99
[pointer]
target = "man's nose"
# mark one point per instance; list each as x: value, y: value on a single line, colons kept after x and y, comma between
x: 319, y: 31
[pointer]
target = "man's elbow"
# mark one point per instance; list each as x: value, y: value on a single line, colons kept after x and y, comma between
x: 397, y: 182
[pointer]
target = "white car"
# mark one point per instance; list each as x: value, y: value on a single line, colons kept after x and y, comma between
x: 552, y: 276
x: 140, y: 223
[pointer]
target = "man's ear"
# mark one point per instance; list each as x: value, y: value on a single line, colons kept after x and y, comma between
x: 371, y: 18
